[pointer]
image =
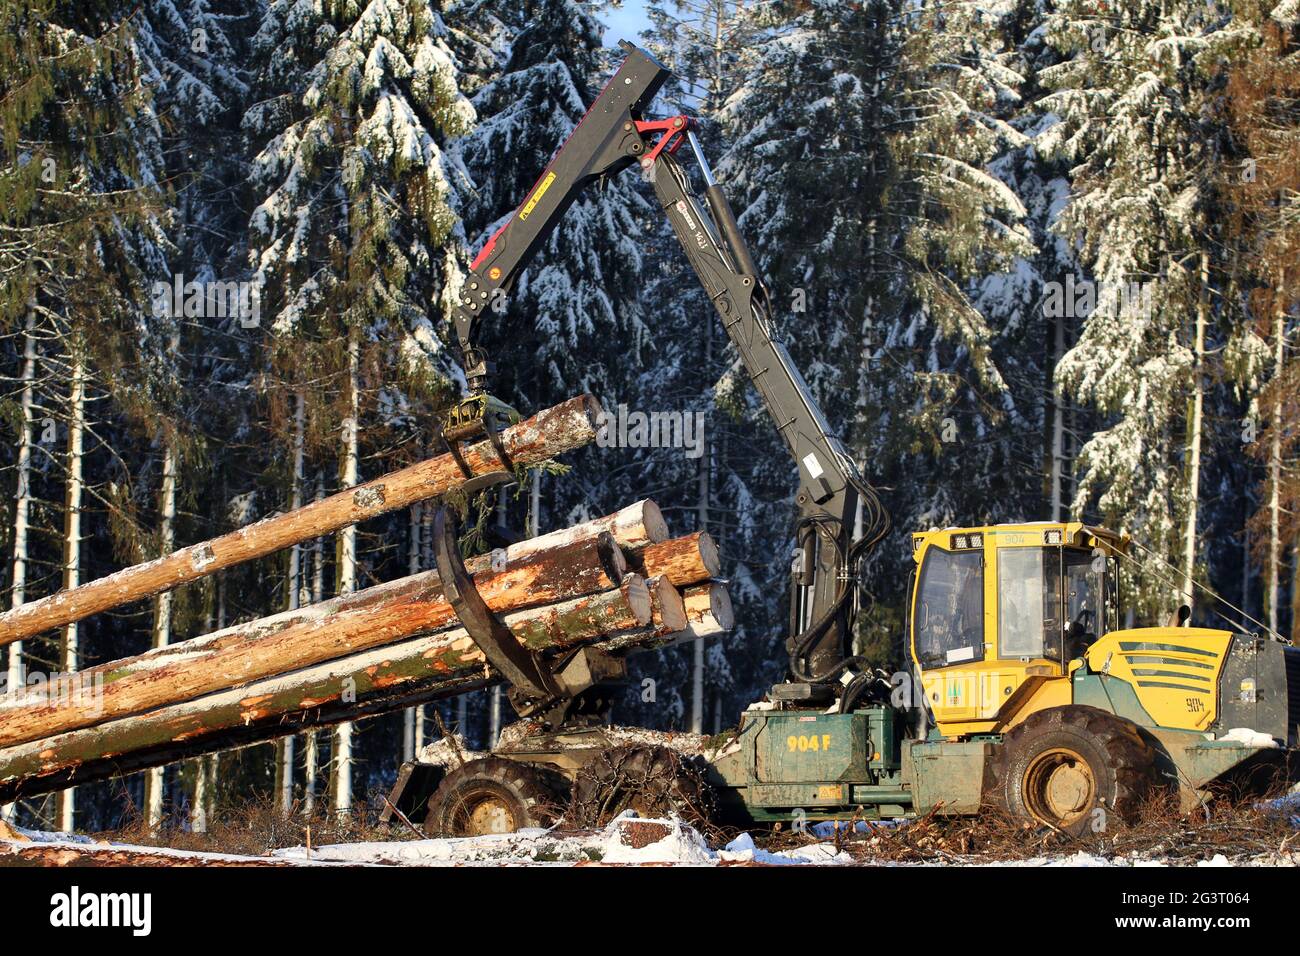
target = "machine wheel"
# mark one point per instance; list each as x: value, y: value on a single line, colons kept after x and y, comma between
x: 654, y: 781
x: 493, y: 795
x: 1062, y: 765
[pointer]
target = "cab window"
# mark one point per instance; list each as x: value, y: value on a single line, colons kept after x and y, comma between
x: 1085, y: 590
x: 1029, y: 603
x: 949, y: 615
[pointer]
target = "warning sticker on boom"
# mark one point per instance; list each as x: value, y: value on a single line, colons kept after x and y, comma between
x: 536, y: 197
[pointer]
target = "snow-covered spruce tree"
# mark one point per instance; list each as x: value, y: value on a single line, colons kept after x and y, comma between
x: 1039, y: 440
x: 1133, y: 96
x: 960, y: 326
x: 859, y: 152
x: 192, y: 66
x: 84, y: 178
x: 479, y: 39
x: 357, y: 103
x: 1263, y: 101
x: 355, y: 241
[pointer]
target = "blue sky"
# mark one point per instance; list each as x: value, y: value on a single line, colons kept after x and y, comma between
x: 625, y: 23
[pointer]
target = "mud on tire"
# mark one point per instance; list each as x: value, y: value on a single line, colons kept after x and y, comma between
x: 1073, y: 768
x: 493, y: 795
x: 654, y: 781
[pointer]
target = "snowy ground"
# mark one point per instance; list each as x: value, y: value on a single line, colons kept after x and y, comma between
x: 627, y: 841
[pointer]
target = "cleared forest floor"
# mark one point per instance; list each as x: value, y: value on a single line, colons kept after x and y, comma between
x: 1247, y: 833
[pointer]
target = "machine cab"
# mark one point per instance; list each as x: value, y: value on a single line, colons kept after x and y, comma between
x: 996, y: 611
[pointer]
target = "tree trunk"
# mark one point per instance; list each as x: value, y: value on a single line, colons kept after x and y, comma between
x: 341, y: 770
x: 545, y: 435
x: 199, y: 797
x: 667, y: 608
x: 1195, y: 428
x: 1056, y: 469
x: 708, y: 611
x: 311, y: 755
x: 344, y: 625
x: 154, y: 781
x: 284, y: 748
x: 67, y: 800
x: 22, y: 511
x: 381, y: 678
x: 1273, y: 585
x: 23, y: 493
x: 412, y: 716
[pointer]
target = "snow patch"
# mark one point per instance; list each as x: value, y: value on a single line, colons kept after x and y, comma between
x: 1251, y: 738
x: 630, y: 839
x: 743, y: 850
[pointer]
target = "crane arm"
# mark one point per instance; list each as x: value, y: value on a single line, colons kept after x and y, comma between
x: 609, y: 138
x: 612, y: 136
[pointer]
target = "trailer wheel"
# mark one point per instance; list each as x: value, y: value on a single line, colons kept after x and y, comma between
x: 654, y: 781
x: 1074, y: 768
x: 493, y: 795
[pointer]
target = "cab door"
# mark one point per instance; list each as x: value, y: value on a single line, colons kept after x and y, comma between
x: 948, y: 631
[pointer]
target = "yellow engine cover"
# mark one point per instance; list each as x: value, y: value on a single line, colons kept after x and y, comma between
x: 1174, y: 671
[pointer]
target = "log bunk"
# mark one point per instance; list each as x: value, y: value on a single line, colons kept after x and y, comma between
x: 552, y: 616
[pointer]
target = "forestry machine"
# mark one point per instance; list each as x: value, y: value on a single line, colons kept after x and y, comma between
x: 1022, y: 688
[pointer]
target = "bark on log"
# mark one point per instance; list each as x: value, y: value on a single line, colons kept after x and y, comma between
x: 708, y: 609
x: 547, y: 434
x: 631, y: 527
x: 708, y: 614
x: 397, y: 675
x: 683, y: 561
x: 246, y: 653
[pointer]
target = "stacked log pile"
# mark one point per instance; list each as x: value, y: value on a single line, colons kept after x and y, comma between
x: 618, y: 582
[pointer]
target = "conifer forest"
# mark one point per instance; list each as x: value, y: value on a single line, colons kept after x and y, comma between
x: 1037, y: 260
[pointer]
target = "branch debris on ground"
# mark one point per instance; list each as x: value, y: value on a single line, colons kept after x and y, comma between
x: 1248, y: 833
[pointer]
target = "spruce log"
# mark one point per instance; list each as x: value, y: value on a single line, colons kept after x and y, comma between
x: 547, y: 434
x: 683, y: 561
x: 397, y: 675
x: 708, y: 609
x: 708, y: 614
x: 246, y: 653
x: 631, y: 527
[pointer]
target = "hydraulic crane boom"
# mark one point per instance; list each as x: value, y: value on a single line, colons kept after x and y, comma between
x: 611, y: 137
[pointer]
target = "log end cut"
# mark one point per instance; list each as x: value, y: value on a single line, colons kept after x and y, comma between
x: 637, y: 596
x: 668, y: 611
x: 708, y: 609
x: 683, y: 561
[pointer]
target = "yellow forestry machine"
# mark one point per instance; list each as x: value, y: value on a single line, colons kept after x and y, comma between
x: 1022, y: 691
